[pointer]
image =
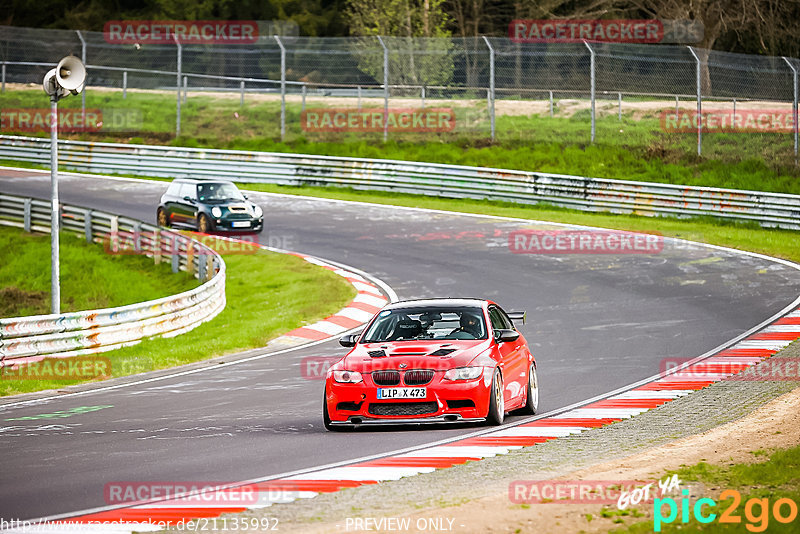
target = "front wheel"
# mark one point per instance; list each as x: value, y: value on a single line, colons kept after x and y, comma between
x: 532, y: 393
x: 326, y: 418
x: 203, y: 223
x: 497, y: 406
x: 162, y: 218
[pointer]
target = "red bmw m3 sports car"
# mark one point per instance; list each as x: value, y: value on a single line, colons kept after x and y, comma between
x: 432, y: 361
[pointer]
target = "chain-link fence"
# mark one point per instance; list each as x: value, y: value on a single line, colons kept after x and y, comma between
x: 670, y: 98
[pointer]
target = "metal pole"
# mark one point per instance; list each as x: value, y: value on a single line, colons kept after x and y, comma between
x: 423, y: 97
x: 551, y: 104
x: 241, y: 90
x: 734, y: 107
x: 677, y: 111
x: 55, y: 282
x: 83, y: 59
x: 794, y: 105
x: 591, y: 67
x: 385, y: 90
x: 491, y: 84
x: 185, y: 87
x: 124, y: 84
x: 359, y: 98
x: 283, y: 87
x: 305, y: 90
x: 178, y: 88
x: 699, y: 105
x: 620, y: 107
x: 4, y: 77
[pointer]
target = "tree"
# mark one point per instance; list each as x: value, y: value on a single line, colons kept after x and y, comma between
x: 416, y: 36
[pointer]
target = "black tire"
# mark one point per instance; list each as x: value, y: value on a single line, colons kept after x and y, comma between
x: 532, y: 393
x: 326, y: 419
x: 161, y: 218
x: 497, y: 412
x: 204, y: 224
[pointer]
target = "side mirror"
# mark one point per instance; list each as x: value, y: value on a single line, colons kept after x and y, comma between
x: 504, y: 335
x: 188, y: 199
x: 518, y: 316
x: 349, y: 340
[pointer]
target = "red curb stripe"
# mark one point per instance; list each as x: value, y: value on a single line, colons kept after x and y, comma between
x: 574, y: 421
x: 341, y: 320
x: 365, y: 307
x: 777, y: 336
x: 675, y: 384
x: 437, y: 462
x: 628, y: 403
x: 788, y: 320
x: 308, y: 333
x: 702, y: 368
x: 758, y: 353
x: 503, y: 440
x: 158, y: 514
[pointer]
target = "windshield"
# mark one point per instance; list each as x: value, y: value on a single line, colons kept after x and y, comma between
x: 212, y: 192
x: 427, y: 323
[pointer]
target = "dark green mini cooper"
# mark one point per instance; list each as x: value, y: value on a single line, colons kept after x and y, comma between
x: 208, y: 206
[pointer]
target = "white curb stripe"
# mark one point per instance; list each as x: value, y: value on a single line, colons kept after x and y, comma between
x: 660, y: 394
x: 603, y: 413
x: 363, y: 473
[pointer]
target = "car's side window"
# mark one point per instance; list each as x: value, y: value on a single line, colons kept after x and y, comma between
x: 174, y: 189
x: 506, y: 319
x: 188, y: 190
x: 496, y: 319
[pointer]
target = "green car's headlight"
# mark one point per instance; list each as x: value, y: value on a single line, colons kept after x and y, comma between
x: 216, y: 212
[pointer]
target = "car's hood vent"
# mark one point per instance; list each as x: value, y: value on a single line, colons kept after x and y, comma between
x: 442, y: 352
x: 377, y: 353
x: 238, y: 208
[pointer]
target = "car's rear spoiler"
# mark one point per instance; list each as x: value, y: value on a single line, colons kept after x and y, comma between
x: 518, y: 316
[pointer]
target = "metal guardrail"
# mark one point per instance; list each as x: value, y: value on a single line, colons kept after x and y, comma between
x: 25, y: 339
x: 587, y: 194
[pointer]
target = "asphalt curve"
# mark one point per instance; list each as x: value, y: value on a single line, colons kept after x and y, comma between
x: 596, y: 322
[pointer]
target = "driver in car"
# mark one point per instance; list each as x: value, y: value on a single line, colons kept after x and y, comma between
x: 469, y: 327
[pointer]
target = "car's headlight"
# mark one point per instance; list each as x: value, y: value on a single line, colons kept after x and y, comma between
x: 347, y: 377
x: 257, y: 210
x: 216, y: 212
x: 463, y: 373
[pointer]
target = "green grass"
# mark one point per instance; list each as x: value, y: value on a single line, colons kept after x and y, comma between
x: 633, y: 149
x: 268, y: 294
x: 90, y: 278
x: 776, y: 477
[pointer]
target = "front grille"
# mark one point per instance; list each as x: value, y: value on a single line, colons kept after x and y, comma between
x: 418, y: 377
x: 402, y: 408
x: 460, y: 403
x: 386, y: 378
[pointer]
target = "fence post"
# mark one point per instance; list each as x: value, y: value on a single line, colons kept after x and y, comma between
x: 241, y: 92
x: 283, y: 87
x: 83, y: 59
x: 794, y: 105
x: 124, y: 84
x: 699, y: 105
x: 178, y: 88
x: 592, y: 80
x: 157, y: 245
x: 4, y: 77
x: 491, y: 84
x: 201, y: 265
x: 87, y: 226
x: 619, y: 115
x: 677, y: 110
x: 26, y: 215
x: 185, y: 87
x: 359, y: 98
x: 385, y: 90
x: 305, y: 90
x: 551, y: 104
x: 423, y: 97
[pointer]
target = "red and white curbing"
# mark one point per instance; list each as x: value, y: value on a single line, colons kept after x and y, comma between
x: 747, y: 352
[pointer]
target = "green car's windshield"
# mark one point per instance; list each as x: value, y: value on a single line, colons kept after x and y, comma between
x: 218, y: 192
x: 427, y: 323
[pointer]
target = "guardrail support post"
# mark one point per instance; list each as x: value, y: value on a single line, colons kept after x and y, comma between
x: 491, y: 84
x: 699, y: 104
x: 124, y: 84
x: 794, y: 105
x: 26, y: 215
x: 201, y: 266
x: 178, y: 88
x: 283, y: 87
x: 176, y: 259
x: 385, y: 90
x: 87, y: 226
x: 137, y: 237
x: 190, y: 258
x: 157, y: 246
x: 592, y: 82
x: 241, y: 93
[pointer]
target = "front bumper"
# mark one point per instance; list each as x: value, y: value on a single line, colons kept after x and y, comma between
x: 224, y: 224
x: 447, y: 402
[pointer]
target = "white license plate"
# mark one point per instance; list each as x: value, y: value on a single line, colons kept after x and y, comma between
x: 241, y: 224
x: 402, y: 393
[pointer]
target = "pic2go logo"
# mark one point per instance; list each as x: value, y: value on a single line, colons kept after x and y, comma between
x: 756, y: 511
